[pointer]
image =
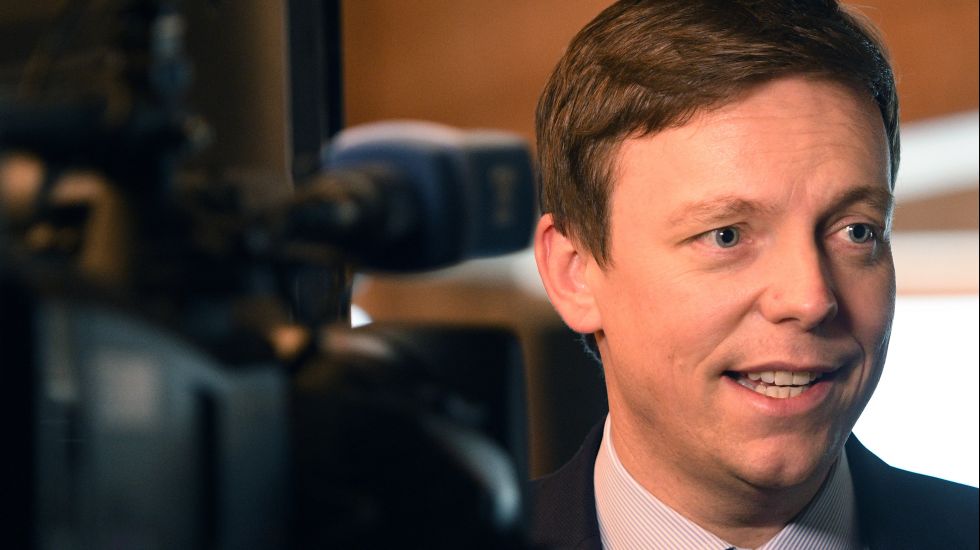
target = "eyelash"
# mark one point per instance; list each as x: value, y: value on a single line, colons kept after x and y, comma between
x: 713, y: 236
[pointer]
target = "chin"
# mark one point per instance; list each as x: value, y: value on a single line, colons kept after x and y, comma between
x: 790, y: 461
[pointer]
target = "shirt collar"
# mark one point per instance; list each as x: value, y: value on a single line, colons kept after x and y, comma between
x: 631, y: 517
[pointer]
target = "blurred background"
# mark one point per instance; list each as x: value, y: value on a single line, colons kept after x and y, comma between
x: 482, y: 64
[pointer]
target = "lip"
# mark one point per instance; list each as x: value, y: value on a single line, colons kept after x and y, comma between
x: 805, y: 403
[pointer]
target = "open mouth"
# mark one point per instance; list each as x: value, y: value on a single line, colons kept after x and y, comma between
x: 777, y: 384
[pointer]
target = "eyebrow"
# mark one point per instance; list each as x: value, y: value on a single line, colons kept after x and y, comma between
x: 874, y: 196
x: 718, y: 210
x: 721, y: 209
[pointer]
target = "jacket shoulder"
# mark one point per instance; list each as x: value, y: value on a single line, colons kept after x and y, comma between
x: 563, y: 504
x: 903, y: 509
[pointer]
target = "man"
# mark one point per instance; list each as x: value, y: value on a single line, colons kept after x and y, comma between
x: 717, y: 196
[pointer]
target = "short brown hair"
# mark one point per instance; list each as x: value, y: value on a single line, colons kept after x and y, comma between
x: 642, y: 66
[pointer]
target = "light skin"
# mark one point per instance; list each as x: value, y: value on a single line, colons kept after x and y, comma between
x: 753, y: 238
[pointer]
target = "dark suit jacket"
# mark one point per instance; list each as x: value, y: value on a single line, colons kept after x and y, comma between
x: 896, y: 509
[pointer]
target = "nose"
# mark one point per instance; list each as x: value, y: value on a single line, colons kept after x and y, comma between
x: 799, y: 288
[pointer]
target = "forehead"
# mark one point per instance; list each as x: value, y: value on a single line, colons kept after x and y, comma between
x: 783, y: 128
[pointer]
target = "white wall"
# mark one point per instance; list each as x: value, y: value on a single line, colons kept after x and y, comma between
x: 924, y: 415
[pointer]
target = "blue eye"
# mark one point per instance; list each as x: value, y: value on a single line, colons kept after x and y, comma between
x: 726, y: 237
x: 860, y: 233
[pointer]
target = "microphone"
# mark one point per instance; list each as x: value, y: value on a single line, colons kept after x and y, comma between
x: 411, y: 196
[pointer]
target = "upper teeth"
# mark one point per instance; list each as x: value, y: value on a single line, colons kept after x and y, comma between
x: 784, y: 378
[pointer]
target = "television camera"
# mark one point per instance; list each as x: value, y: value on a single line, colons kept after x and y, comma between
x: 175, y: 321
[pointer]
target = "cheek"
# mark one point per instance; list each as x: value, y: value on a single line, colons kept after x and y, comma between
x: 670, y: 319
x: 870, y: 304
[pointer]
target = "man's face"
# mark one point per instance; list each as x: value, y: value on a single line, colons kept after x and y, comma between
x: 746, y: 311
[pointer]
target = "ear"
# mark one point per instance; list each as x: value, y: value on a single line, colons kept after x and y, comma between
x: 563, y: 266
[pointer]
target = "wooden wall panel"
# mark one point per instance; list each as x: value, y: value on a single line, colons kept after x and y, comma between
x: 483, y: 63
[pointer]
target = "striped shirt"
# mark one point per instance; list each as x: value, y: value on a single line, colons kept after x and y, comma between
x: 630, y: 517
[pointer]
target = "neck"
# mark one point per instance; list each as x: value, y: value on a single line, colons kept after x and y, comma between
x: 748, y: 521
x: 733, y: 509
